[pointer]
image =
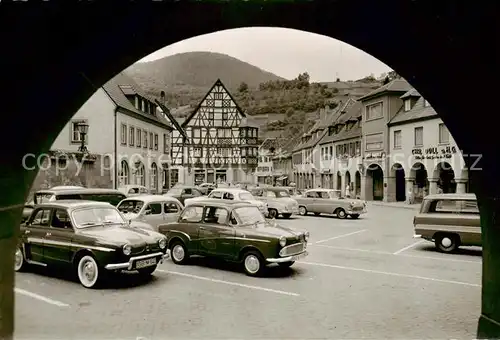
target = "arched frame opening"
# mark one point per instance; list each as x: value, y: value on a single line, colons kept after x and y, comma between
x: 374, y: 186
x: 397, y: 184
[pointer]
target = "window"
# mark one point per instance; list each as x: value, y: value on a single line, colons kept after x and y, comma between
x: 444, y: 134
x: 41, y: 218
x: 130, y: 206
x: 407, y: 104
x: 374, y: 142
x: 454, y: 206
x: 124, y: 174
x: 154, y: 177
x: 145, y: 139
x: 215, y: 215
x: 324, y: 194
x: 270, y: 194
x: 153, y: 209
x: 215, y: 194
x: 139, y: 137
x: 156, y: 141
x: 166, y: 143
x: 123, y: 135
x: 151, y: 140
x: 397, y: 139
x: 419, y: 136
x: 228, y: 196
x: 192, y: 214
x: 76, y: 137
x: 187, y: 191
x: 311, y: 194
x: 171, y: 208
x: 131, y: 136
x: 374, y: 111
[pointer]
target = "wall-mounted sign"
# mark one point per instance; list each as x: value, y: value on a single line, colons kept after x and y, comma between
x: 434, y: 152
x: 371, y: 155
x: 325, y: 171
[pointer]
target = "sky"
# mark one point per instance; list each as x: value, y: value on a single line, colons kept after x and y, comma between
x: 284, y: 52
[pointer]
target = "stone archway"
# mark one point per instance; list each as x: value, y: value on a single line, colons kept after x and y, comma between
x: 348, y: 183
x: 397, y: 184
x: 357, y: 184
x: 445, y: 176
x: 418, y: 173
x: 374, y: 183
x: 339, y: 180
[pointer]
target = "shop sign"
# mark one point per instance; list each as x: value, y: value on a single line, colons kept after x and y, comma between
x: 325, y: 171
x: 434, y: 152
x: 374, y: 155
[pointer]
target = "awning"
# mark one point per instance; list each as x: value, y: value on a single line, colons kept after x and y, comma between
x: 282, y: 178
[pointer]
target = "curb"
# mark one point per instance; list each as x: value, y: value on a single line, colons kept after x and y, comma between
x: 396, y: 207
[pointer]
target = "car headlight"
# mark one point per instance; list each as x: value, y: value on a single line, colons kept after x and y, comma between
x: 162, y: 243
x: 282, y: 241
x: 127, y: 249
x: 306, y: 236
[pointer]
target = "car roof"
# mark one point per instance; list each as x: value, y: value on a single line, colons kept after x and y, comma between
x: 273, y: 188
x: 214, y: 202
x: 321, y: 189
x: 65, y: 204
x: 232, y: 189
x: 464, y: 196
x: 152, y: 198
x: 80, y: 191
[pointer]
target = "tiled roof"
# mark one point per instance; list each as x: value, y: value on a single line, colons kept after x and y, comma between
x: 397, y: 85
x: 329, y: 121
x: 411, y: 93
x: 121, y: 84
x: 417, y: 112
x: 354, y: 113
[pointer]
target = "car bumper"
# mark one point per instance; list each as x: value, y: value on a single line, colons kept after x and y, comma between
x: 295, y: 257
x: 356, y: 212
x: 417, y: 236
x: 133, y: 260
x: 293, y: 211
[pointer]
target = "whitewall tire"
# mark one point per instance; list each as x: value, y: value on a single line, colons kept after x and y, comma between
x: 19, y: 261
x: 88, y: 272
x: 252, y: 263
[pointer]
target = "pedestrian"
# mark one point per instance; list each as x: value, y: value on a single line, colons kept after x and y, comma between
x: 347, y: 191
x: 410, y: 195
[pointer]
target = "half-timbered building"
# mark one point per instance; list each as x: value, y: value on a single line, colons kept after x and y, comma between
x: 222, y: 145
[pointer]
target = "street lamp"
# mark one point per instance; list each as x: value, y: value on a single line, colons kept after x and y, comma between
x: 83, y: 129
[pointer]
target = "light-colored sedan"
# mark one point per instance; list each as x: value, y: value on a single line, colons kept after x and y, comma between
x: 134, y: 190
x: 231, y: 194
x: 329, y: 201
x: 152, y: 210
x: 278, y: 201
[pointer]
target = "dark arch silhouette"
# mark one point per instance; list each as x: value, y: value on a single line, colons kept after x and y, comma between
x: 59, y: 53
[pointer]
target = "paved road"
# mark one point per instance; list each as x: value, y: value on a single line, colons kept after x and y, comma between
x: 364, y: 278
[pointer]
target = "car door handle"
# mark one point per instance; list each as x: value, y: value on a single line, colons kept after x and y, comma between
x: 48, y: 234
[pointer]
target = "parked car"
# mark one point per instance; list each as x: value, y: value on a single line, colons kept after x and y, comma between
x: 232, y: 194
x: 91, y: 238
x: 278, y: 201
x: 233, y: 231
x: 206, y: 188
x: 329, y: 201
x: 111, y: 196
x: 183, y: 192
x: 449, y: 220
x: 152, y: 210
x: 61, y: 187
x: 134, y: 190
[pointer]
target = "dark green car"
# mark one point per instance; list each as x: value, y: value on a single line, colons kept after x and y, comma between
x: 233, y: 231
x: 89, y: 237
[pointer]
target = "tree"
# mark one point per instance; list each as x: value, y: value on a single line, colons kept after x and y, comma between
x: 243, y: 87
x: 387, y: 80
x: 393, y: 75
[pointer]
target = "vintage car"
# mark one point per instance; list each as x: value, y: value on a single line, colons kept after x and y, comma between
x: 91, y: 238
x: 152, y: 210
x: 329, y: 201
x: 233, y: 231
x: 111, y: 196
x: 134, y: 190
x: 206, y: 188
x: 278, y: 201
x: 449, y: 220
x: 183, y: 192
x: 232, y: 194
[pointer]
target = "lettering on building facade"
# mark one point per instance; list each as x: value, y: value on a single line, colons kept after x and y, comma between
x: 434, y: 152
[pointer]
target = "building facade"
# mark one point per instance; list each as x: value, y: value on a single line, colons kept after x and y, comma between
x: 424, y: 159
x: 125, y: 130
x: 222, y: 142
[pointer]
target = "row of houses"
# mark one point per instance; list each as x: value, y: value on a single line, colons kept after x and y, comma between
x: 387, y: 145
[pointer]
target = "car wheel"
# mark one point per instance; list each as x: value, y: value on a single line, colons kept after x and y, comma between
x: 286, y: 264
x: 287, y: 215
x: 179, y: 253
x: 340, y: 213
x: 252, y: 263
x: 88, y: 272
x: 447, y: 243
x: 20, y: 263
x: 354, y: 216
x: 273, y: 213
x: 302, y: 211
x: 147, y: 271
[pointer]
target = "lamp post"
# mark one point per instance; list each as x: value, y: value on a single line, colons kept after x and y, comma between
x: 83, y: 129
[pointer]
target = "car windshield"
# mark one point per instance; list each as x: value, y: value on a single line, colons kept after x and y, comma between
x: 175, y: 191
x: 246, y: 196
x: 89, y: 217
x: 334, y: 194
x: 249, y: 215
x: 43, y: 198
x: 282, y: 193
x: 131, y: 206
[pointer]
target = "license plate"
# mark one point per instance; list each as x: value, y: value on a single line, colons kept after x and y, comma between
x: 300, y: 256
x: 145, y: 263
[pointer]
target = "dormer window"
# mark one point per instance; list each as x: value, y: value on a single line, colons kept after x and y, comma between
x: 407, y: 104
x: 137, y: 103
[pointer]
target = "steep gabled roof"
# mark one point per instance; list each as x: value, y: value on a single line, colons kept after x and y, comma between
x: 218, y: 82
x: 410, y: 93
x: 354, y: 113
x: 396, y: 86
x: 119, y: 86
x: 172, y: 119
x: 418, y: 112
